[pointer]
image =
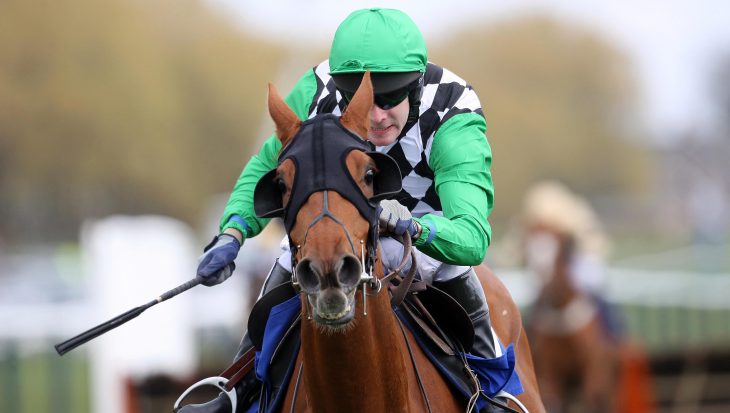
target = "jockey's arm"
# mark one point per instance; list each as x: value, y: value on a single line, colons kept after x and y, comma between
x: 460, y: 159
x: 240, y: 202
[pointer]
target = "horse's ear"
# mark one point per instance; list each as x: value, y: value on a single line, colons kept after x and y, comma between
x: 287, y: 122
x: 357, y: 115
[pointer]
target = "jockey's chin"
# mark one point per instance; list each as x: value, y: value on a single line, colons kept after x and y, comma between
x: 387, y: 124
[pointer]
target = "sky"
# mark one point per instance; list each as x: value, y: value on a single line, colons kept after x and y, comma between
x: 672, y: 44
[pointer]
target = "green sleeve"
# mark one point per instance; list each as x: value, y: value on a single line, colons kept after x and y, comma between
x: 241, y: 200
x: 460, y: 159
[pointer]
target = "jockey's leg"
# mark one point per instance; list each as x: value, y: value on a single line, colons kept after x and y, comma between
x: 467, y: 291
x: 279, y: 274
x: 247, y: 388
x: 460, y: 282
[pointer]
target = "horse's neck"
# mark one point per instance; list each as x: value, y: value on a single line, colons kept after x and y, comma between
x: 363, y: 369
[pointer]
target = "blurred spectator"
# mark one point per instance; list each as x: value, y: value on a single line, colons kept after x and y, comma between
x: 572, y: 330
x: 582, y: 360
x: 551, y: 207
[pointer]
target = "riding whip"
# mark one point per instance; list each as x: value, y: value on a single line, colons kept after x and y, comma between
x: 115, y: 322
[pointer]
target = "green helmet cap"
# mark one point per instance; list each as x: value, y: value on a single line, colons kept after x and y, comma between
x: 383, y: 41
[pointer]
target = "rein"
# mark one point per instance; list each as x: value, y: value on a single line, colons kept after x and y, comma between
x: 399, y: 293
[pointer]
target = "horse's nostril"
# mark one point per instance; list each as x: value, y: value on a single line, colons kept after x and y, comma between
x: 308, y: 275
x: 349, y: 271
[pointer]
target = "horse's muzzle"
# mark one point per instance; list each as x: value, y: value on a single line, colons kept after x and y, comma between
x: 331, y: 294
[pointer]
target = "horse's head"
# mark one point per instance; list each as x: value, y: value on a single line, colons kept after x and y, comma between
x: 326, y: 187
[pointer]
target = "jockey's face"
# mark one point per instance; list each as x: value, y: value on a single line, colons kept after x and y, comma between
x: 387, y: 124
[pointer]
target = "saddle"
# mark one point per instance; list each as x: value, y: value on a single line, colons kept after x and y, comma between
x: 445, y: 334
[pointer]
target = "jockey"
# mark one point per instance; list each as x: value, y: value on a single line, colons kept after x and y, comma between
x: 425, y: 117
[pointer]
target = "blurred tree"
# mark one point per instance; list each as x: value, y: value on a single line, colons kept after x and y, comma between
x: 121, y: 106
x: 560, y: 103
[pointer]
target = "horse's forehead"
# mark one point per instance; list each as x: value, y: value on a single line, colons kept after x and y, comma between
x: 328, y: 232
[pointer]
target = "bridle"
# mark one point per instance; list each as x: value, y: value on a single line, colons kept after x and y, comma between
x: 319, y: 150
x: 367, y: 280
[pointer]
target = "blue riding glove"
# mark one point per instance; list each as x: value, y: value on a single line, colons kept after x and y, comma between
x: 216, y: 264
x: 397, y: 219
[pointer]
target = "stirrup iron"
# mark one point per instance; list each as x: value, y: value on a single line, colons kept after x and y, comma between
x: 216, y: 381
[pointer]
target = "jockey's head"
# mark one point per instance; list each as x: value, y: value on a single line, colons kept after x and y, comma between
x: 387, y: 43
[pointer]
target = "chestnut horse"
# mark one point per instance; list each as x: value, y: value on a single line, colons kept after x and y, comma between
x: 356, y: 359
x: 581, y: 366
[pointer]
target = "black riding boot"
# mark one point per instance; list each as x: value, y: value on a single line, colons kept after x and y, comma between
x: 247, y: 388
x: 467, y: 291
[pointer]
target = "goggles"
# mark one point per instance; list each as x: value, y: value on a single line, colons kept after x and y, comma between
x: 387, y: 100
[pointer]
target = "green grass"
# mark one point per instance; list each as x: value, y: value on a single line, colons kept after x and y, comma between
x: 43, y: 382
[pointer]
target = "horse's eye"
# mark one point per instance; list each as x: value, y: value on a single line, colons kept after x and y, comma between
x: 369, y: 177
x: 281, y: 185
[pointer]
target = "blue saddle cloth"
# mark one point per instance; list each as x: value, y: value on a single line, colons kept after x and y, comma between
x: 494, y: 375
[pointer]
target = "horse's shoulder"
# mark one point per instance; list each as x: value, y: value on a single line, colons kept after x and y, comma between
x: 504, y: 312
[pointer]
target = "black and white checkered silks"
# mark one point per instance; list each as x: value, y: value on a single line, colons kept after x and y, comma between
x: 444, y: 96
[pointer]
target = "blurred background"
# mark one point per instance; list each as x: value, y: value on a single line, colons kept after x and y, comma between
x: 125, y: 123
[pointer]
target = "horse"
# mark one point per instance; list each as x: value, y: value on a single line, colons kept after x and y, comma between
x: 581, y: 364
x: 355, y: 355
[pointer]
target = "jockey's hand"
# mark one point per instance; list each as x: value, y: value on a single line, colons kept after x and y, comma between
x: 397, y: 219
x: 216, y: 264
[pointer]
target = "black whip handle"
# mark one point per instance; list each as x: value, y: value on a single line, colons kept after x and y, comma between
x: 72, y: 343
